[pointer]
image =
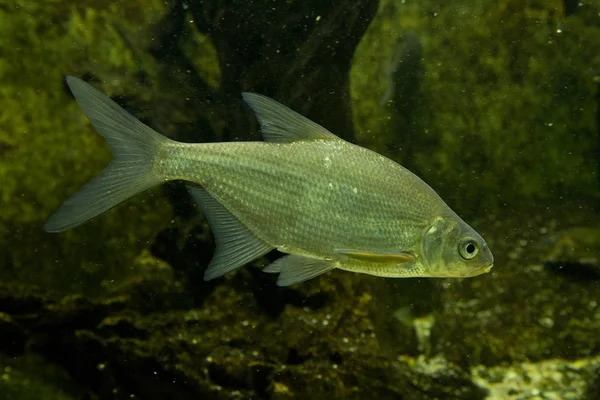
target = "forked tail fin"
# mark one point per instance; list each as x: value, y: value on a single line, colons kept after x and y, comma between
x: 131, y: 171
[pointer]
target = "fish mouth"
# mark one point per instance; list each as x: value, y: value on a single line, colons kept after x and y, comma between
x: 481, y: 270
x: 487, y: 268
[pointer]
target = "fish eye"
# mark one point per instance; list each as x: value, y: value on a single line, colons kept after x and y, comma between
x: 468, y: 248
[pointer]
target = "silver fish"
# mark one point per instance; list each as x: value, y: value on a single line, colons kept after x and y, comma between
x: 304, y: 191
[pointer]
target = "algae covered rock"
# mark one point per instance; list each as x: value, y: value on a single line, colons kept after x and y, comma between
x: 31, y: 377
x: 575, y: 252
x: 231, y: 347
x: 549, y: 379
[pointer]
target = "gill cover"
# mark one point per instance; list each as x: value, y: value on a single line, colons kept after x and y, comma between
x: 433, y: 243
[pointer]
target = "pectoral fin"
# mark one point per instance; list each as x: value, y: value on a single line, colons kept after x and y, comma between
x: 384, y: 258
x: 295, y: 269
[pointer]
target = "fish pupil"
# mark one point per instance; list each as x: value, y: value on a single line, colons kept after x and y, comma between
x: 470, y: 248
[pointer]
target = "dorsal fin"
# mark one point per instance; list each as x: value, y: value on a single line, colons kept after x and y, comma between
x: 279, y: 124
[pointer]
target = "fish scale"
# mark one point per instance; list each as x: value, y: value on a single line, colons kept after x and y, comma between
x: 292, y: 190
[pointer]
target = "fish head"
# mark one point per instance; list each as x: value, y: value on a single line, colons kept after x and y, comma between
x: 451, y: 248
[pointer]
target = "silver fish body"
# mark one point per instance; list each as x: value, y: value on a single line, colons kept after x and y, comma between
x: 313, y: 197
x: 304, y: 191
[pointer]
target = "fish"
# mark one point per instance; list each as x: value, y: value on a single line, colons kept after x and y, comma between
x: 323, y: 201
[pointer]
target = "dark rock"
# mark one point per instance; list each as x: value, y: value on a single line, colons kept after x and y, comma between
x: 12, y: 334
x: 574, y: 252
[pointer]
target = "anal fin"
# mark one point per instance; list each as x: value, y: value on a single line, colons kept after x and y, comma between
x: 236, y: 245
x: 294, y: 269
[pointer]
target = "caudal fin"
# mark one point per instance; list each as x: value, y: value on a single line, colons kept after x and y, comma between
x: 131, y: 171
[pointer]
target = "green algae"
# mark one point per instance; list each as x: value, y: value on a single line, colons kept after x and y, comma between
x: 506, y: 99
x: 49, y: 149
x: 31, y: 377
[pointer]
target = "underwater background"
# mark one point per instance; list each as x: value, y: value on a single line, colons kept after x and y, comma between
x: 495, y: 104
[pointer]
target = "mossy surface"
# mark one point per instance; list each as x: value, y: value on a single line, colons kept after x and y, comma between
x: 49, y: 149
x: 506, y: 113
x: 30, y: 377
